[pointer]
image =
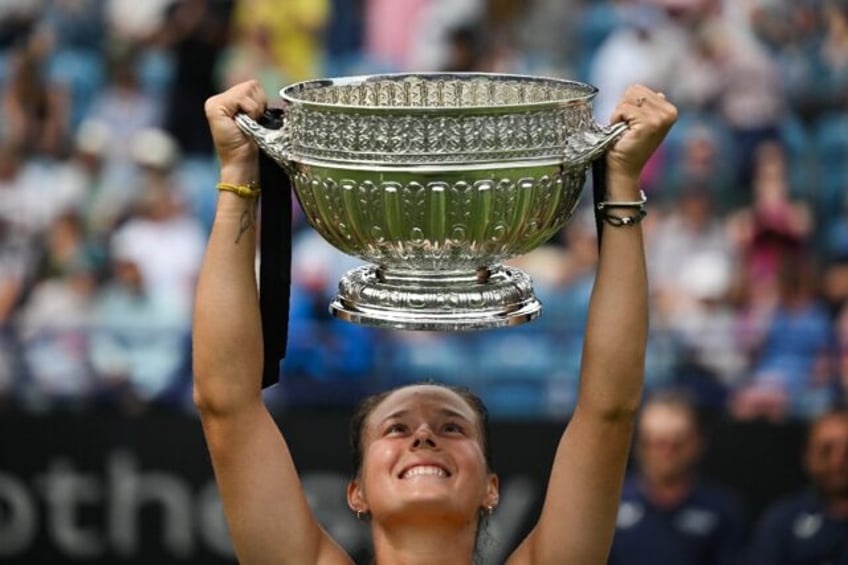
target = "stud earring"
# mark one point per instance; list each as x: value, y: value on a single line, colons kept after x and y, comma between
x: 361, y: 515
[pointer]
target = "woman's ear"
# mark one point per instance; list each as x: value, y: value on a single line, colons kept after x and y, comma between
x: 492, y: 496
x: 355, y: 497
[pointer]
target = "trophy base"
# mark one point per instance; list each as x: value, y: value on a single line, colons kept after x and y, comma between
x: 490, y: 297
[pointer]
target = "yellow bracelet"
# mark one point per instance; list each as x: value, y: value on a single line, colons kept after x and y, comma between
x: 249, y: 190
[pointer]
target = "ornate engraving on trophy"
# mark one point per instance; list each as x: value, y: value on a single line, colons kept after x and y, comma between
x: 435, y: 180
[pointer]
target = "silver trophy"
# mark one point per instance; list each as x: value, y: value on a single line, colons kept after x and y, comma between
x: 435, y: 180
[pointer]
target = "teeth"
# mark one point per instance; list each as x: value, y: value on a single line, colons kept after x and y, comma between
x: 422, y: 470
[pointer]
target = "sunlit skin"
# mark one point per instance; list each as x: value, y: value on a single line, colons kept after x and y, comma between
x: 826, y: 459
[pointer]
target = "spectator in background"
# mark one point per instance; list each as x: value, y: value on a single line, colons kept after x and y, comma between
x: 701, y: 161
x: 773, y: 228
x: 464, y: 51
x: 40, y: 191
x: 811, y: 527
x: 791, y: 376
x: 789, y: 326
x: 698, y: 88
x: 103, y: 143
x: 166, y: 242
x: 70, y: 36
x: 752, y: 102
x: 819, y: 58
x: 294, y: 32
x: 668, y: 513
x: 23, y: 207
x: 122, y: 106
x: 689, y: 236
x: 835, y: 273
x: 108, y: 188
x: 548, y: 31
x: 137, y: 26
x: 251, y: 55
x: 195, y: 32
x: 17, y: 253
x: 739, y: 80
x: 834, y: 54
x: 65, y: 248
x: 841, y: 355
x: 34, y: 114
x: 644, y: 50
x: 53, y: 318
x: 53, y: 326
x: 343, y: 37
x: 139, y: 340
x: 389, y: 26
x: 17, y: 18
x: 785, y: 26
x: 713, y: 358
x: 134, y: 22
x: 16, y: 262
x: 431, y: 39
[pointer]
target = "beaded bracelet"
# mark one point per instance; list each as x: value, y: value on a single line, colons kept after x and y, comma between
x: 249, y: 190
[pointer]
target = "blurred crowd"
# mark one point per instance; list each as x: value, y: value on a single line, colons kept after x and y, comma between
x: 107, y: 178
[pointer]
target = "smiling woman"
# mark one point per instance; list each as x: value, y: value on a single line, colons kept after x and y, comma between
x: 421, y: 450
x: 423, y: 469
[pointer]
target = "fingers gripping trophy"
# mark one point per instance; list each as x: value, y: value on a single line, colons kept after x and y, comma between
x: 434, y: 180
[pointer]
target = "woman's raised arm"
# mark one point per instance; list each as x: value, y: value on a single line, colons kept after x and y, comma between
x: 267, y: 514
x: 579, y: 512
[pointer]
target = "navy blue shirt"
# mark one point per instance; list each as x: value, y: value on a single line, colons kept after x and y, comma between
x: 796, y: 531
x: 706, y: 528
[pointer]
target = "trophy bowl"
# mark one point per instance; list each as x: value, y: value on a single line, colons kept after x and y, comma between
x: 434, y: 179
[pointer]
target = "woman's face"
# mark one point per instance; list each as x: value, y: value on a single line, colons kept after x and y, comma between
x: 423, y: 458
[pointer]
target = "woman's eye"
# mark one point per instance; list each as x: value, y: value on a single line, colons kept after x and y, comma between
x: 396, y: 429
x: 453, y: 428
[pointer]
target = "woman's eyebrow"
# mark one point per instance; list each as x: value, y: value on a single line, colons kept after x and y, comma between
x: 395, y: 415
x: 451, y: 413
x: 448, y: 412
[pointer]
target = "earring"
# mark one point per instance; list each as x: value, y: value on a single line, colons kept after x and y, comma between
x: 361, y: 515
x: 489, y: 510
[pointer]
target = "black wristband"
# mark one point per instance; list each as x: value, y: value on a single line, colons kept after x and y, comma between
x: 621, y: 221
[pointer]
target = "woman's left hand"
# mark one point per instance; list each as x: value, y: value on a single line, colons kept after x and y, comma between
x: 649, y: 117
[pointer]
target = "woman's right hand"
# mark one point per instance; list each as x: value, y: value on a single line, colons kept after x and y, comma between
x: 237, y: 152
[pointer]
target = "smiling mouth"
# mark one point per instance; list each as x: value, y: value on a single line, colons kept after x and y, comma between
x: 424, y: 471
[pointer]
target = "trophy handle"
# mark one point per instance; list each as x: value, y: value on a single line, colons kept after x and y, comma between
x: 271, y: 133
x: 586, y: 146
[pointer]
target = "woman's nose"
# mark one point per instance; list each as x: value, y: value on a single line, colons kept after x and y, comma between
x: 423, y: 437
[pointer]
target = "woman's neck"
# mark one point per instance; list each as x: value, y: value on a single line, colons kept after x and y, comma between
x: 414, y: 544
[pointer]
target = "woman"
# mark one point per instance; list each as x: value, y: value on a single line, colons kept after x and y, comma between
x: 424, y: 479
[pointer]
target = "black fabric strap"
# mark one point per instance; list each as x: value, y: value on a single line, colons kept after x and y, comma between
x: 599, y: 193
x: 274, y: 257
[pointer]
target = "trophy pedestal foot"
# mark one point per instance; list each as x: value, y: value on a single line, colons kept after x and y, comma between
x: 451, y: 301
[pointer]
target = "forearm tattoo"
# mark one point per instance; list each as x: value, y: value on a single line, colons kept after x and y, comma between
x: 247, y: 222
